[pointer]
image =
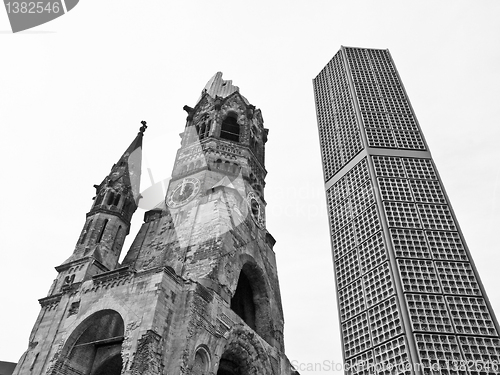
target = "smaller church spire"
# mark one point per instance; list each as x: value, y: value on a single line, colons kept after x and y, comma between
x: 128, y: 168
x: 114, y: 204
x: 108, y: 221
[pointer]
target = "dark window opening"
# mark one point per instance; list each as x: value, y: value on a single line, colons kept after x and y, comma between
x: 242, y: 302
x: 230, y: 129
x: 255, y: 207
x: 228, y: 367
x: 201, y: 362
x: 112, y: 366
x: 102, y: 230
x: 111, y: 197
x: 201, y: 133
x: 94, y: 347
x: 117, y: 241
x: 86, y: 231
x: 116, y: 200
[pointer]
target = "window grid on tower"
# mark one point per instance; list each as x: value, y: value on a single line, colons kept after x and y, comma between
x: 376, y: 120
x: 446, y: 246
x: 387, y: 117
x: 441, y: 350
x: 427, y: 191
x: 356, y: 334
x: 385, y: 321
x: 362, y: 198
x: 392, y: 358
x: 428, y: 313
x: 409, y: 243
x: 470, y: 315
x: 457, y: 278
x: 436, y: 217
x: 402, y: 121
x: 481, y: 351
x: 340, y: 214
x: 362, y: 364
x: 371, y: 253
x: 418, y: 276
x: 347, y: 269
x: 336, y: 117
x: 351, y: 300
x: 397, y: 223
x: 343, y: 241
x: 401, y: 215
x: 366, y: 224
x: 378, y: 285
x: 395, y: 189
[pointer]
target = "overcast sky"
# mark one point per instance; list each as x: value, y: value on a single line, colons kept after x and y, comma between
x: 73, y: 93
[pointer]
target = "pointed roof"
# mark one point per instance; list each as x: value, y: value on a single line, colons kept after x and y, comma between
x: 217, y: 86
x: 128, y: 167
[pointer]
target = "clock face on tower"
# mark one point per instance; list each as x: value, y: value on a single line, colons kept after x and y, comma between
x: 256, y: 210
x: 183, y: 192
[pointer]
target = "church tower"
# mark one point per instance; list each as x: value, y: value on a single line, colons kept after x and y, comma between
x: 197, y: 292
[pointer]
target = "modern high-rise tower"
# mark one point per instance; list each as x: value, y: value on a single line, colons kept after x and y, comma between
x: 198, y: 292
x: 409, y: 296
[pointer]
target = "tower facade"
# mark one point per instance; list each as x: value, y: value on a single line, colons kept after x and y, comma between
x: 197, y: 292
x: 410, y: 298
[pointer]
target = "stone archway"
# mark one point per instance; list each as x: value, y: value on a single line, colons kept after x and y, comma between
x: 244, y: 354
x: 94, y: 347
x: 251, y: 301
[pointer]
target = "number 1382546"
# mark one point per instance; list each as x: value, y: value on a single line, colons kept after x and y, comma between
x: 32, y: 7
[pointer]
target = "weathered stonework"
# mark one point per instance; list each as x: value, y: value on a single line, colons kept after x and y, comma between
x: 198, y: 291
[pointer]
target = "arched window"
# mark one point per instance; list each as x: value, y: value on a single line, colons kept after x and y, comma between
x: 94, y: 347
x: 118, y: 239
x: 230, y: 129
x: 228, y: 367
x: 242, y: 302
x: 201, y: 362
x: 116, y: 200
x: 102, y: 230
x: 251, y: 301
x: 201, y: 133
x: 111, y: 197
x: 86, y: 231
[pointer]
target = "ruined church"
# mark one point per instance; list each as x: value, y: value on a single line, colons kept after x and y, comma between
x: 198, y: 291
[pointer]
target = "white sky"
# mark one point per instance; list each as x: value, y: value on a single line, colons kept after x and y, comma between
x: 73, y: 93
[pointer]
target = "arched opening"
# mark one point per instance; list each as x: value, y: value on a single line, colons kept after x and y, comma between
x: 118, y: 240
x: 201, y: 132
x: 103, y: 228
x: 86, y: 231
x: 228, y: 367
x: 230, y: 129
x: 242, y: 302
x: 251, y: 301
x: 201, y: 363
x: 94, y: 347
x: 243, y: 355
x: 111, y: 197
